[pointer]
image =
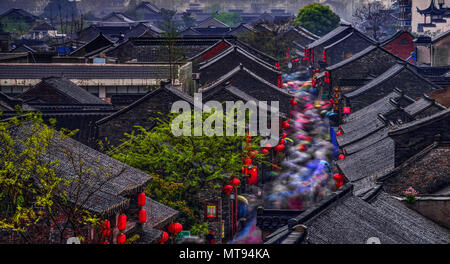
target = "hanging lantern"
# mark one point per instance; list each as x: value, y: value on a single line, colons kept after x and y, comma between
x: 247, y: 161
x: 282, y: 141
x: 341, y: 156
x: 235, y: 182
x: 293, y: 102
x: 106, y: 233
x: 142, y: 216
x: 122, y: 222
x: 265, y: 151
x: 279, y: 147
x: 121, y: 239
x: 164, y: 237
x: 338, y: 177
x: 284, y: 135
x: 106, y: 224
x: 141, y: 199
x: 244, y: 170
x: 346, y: 110
x: 339, y: 184
x: 324, y: 59
x: 227, y: 189
x: 175, y: 228
x: 253, y: 179
x: 285, y: 124
x: 339, y: 133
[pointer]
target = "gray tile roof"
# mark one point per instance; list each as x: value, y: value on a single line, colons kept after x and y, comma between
x: 352, y: 220
x: 394, y: 70
x: 411, y: 126
x: 390, y: 73
x: 361, y: 128
x: 238, y: 51
x: 373, y: 161
x: 352, y: 58
x: 331, y: 36
x: 69, y: 89
x: 83, y: 71
x: 378, y: 107
x: 112, y: 178
x: 181, y: 95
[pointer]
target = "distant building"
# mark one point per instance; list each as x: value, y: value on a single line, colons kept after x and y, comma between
x: 43, y: 31
x: 430, y: 16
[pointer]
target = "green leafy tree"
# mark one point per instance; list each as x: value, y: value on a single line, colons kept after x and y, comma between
x: 184, y: 166
x: 15, y: 26
x: 269, y: 39
x: 170, y: 52
x: 34, y: 195
x: 317, y: 18
x: 232, y: 19
x: 188, y: 20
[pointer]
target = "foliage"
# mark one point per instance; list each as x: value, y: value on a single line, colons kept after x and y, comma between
x: 374, y: 17
x: 232, y: 19
x: 200, y: 229
x: 170, y: 52
x: 34, y: 197
x: 185, y: 165
x: 188, y: 20
x: 317, y: 18
x: 269, y: 38
x: 17, y: 26
x: 133, y: 239
x: 410, y: 195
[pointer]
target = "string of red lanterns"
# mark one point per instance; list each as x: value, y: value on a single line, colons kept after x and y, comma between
x: 121, y: 225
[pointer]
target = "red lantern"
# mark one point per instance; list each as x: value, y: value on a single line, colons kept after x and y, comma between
x: 142, y: 216
x: 282, y: 141
x: 235, y: 182
x: 175, y: 228
x: 346, y: 110
x: 339, y: 184
x: 341, y: 156
x: 253, y: 179
x: 106, y: 233
x: 141, y: 199
x: 265, y: 151
x: 293, y: 102
x: 339, y: 133
x: 106, y: 224
x: 279, y: 147
x: 284, y: 135
x: 247, y: 161
x: 121, y: 239
x: 338, y: 177
x: 244, y: 170
x: 106, y: 243
x: 227, y: 189
x: 122, y: 222
x: 286, y: 124
x: 164, y: 237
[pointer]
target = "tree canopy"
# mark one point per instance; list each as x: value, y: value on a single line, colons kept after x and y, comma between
x: 232, y: 19
x: 317, y: 18
x: 184, y: 166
